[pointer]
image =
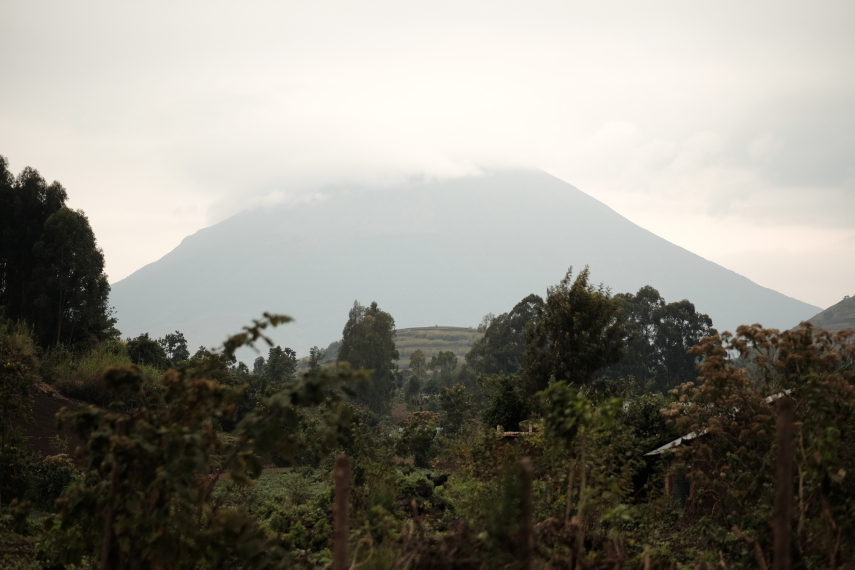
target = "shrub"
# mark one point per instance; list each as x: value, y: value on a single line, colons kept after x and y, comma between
x: 418, y: 437
x: 507, y: 405
x: 81, y: 377
x: 49, y: 479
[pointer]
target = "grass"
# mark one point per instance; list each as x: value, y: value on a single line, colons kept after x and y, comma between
x: 82, y: 377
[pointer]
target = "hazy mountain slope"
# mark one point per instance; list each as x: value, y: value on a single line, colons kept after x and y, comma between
x: 837, y: 317
x: 429, y: 253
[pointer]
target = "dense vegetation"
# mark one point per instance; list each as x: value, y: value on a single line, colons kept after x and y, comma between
x: 532, y: 451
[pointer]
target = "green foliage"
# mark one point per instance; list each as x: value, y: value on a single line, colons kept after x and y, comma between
x: 731, y: 465
x: 145, y: 470
x: 577, y: 332
x: 418, y: 363
x: 19, y: 367
x: 175, y: 347
x: 417, y: 439
x: 567, y: 411
x: 51, y: 269
x: 141, y: 484
x: 660, y: 337
x: 81, y: 376
x: 368, y: 343
x: 316, y: 356
x: 145, y: 350
x: 502, y: 348
x: 507, y: 405
x: 444, y: 363
x: 15, y: 472
x: 456, y: 406
x: 49, y: 478
x: 281, y: 367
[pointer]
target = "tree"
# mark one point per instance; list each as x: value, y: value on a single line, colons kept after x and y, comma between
x: 145, y: 350
x: 418, y: 369
x: 281, y: 366
x: 418, y: 363
x: 660, y: 337
x: 456, y: 407
x: 418, y: 438
x: 507, y: 405
x: 51, y: 269
x: 443, y: 365
x: 732, y: 408
x: 316, y: 356
x: 69, y: 283
x: 146, y: 501
x: 26, y: 202
x: 576, y: 332
x: 680, y: 329
x: 175, y: 346
x: 639, y: 313
x: 568, y: 414
x: 502, y: 348
x: 368, y: 342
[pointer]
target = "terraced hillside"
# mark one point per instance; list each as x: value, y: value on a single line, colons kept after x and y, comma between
x: 837, y: 317
x: 431, y: 340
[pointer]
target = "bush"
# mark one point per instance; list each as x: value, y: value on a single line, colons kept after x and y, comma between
x: 418, y: 437
x: 15, y: 472
x: 145, y: 350
x: 50, y: 477
x: 82, y: 376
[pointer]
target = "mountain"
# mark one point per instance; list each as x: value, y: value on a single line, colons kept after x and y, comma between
x: 837, y: 317
x: 430, y: 253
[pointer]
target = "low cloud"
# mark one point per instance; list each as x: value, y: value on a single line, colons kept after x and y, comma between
x: 165, y: 118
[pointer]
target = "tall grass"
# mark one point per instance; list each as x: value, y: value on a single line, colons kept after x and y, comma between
x: 82, y: 376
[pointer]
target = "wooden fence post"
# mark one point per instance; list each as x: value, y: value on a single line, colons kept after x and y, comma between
x: 784, y: 485
x: 527, y: 522
x: 341, y: 528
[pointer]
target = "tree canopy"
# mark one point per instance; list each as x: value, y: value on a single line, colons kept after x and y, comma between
x: 576, y: 332
x: 51, y: 269
x: 661, y: 334
x: 502, y: 348
x: 368, y: 342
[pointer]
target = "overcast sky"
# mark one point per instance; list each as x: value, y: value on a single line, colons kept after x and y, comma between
x: 725, y: 127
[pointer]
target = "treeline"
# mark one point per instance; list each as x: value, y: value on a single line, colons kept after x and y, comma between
x: 182, y: 459
x: 51, y: 269
x: 579, y: 335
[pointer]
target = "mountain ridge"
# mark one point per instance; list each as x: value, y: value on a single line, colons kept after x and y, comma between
x: 838, y: 317
x: 438, y: 251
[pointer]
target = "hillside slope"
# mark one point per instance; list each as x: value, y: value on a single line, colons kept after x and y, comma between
x: 837, y: 317
x: 442, y: 252
x: 43, y: 436
x: 432, y: 340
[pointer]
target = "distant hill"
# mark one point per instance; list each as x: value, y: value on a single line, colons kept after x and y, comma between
x: 435, y: 251
x: 837, y: 317
x: 431, y: 340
